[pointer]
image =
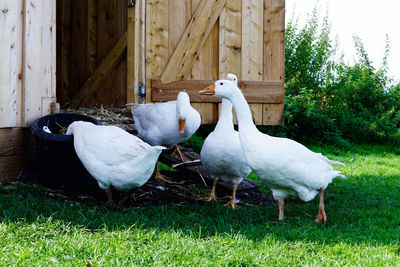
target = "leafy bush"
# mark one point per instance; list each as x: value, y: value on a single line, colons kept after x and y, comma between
x: 330, y: 101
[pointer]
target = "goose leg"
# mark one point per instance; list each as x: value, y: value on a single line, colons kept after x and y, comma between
x: 178, y: 151
x: 231, y: 203
x: 110, y: 200
x: 212, y: 196
x: 321, y: 217
x: 159, y: 176
x: 127, y: 196
x: 281, y: 205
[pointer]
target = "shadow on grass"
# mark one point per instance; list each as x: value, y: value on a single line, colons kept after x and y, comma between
x: 356, y: 214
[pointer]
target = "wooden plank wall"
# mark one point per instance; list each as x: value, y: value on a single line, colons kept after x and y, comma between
x: 252, y: 47
x: 87, y: 31
x: 27, y: 77
x: 247, y: 39
x: 27, y: 67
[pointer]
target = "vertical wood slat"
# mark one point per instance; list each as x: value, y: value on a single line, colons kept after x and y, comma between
x: 63, y: 50
x: 274, y: 55
x: 278, y: 40
x: 91, y: 36
x: 194, y: 5
x: 252, y: 42
x: 48, y: 97
x: 91, y: 28
x: 137, y: 49
x: 38, y: 51
x: 120, y: 80
x: 107, y: 38
x: 33, y: 75
x: 36, y: 58
x: 180, y: 13
x: 47, y: 43
x: 130, y: 56
x: 203, y: 108
x: 18, y: 62
x: 205, y: 67
x: 11, y: 23
x: 230, y: 42
x: 78, y: 55
x: 156, y: 40
x: 53, y: 27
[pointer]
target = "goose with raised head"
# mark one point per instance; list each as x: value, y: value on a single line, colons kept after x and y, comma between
x: 222, y: 155
x: 113, y: 156
x: 286, y: 166
x: 167, y: 124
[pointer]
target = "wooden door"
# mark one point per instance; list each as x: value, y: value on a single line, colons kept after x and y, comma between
x: 191, y: 43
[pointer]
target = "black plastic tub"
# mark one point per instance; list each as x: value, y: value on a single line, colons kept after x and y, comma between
x: 57, y: 164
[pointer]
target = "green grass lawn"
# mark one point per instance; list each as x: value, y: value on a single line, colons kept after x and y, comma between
x: 363, y: 226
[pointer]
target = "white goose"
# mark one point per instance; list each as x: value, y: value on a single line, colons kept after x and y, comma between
x: 166, y: 124
x: 113, y: 156
x: 287, y: 167
x: 221, y: 153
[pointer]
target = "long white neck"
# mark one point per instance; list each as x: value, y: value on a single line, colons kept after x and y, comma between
x: 182, y: 107
x: 243, y: 113
x: 225, y: 117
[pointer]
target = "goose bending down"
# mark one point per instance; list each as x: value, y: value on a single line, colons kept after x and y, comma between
x: 166, y: 124
x: 113, y: 156
x: 222, y: 154
x: 287, y: 167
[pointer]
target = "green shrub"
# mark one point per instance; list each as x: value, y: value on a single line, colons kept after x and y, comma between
x: 330, y: 101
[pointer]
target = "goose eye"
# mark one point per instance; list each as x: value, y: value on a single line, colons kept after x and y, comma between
x: 221, y: 83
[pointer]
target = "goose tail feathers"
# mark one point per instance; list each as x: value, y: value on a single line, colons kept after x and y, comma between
x: 332, y: 162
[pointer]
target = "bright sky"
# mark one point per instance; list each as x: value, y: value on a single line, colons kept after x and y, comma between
x: 370, y: 20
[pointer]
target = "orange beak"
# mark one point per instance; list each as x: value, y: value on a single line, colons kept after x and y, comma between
x: 227, y: 78
x: 182, y: 125
x: 208, y: 91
